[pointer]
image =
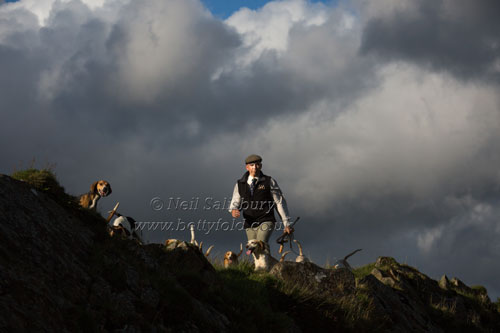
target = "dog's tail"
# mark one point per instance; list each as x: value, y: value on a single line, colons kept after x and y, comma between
x: 193, y: 240
x: 241, y: 250
x: 300, y: 247
x: 284, y: 255
x: 352, y: 253
x: 200, y: 247
x: 209, y: 250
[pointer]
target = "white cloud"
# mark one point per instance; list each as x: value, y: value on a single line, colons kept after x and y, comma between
x: 268, y: 28
x: 427, y: 239
x: 472, y: 217
x: 149, y: 49
x: 43, y: 8
x: 164, y: 45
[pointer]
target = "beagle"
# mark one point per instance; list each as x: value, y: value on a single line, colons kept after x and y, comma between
x: 300, y: 257
x: 231, y: 258
x: 174, y: 243
x: 98, y: 189
x: 342, y: 263
x: 261, y: 255
x: 126, y: 225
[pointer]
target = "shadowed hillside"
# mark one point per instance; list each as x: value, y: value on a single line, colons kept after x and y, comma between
x: 59, y: 270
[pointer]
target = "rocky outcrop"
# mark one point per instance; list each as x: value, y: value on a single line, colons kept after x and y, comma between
x: 444, y: 283
x: 412, y: 302
x: 398, y: 311
x: 397, y: 297
x: 325, y: 282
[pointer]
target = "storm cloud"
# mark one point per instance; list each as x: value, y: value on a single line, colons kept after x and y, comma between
x: 461, y: 37
x: 380, y: 121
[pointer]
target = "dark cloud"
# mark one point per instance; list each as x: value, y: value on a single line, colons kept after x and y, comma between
x: 462, y: 37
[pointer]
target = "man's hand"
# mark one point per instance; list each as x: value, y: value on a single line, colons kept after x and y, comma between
x: 288, y: 230
x: 235, y: 213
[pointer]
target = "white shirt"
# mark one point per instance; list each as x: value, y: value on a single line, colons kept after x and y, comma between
x: 279, y: 200
x: 250, y: 178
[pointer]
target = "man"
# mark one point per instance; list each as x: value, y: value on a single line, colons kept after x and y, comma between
x: 257, y: 195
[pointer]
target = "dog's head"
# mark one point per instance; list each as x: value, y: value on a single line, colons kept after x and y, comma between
x: 101, y: 187
x: 231, y: 257
x: 256, y: 247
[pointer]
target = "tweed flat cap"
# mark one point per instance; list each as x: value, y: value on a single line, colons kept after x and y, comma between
x: 253, y: 158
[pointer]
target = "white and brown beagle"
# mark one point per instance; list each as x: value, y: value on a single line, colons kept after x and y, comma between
x: 98, y: 189
x: 127, y: 226
x: 231, y: 258
x: 262, y: 255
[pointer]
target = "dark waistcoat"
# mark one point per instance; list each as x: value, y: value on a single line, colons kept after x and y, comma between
x: 259, y: 207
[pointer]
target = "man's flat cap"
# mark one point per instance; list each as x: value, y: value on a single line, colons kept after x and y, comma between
x: 253, y: 159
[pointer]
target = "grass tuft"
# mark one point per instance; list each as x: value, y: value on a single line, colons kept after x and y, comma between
x: 42, y: 180
x: 361, y: 272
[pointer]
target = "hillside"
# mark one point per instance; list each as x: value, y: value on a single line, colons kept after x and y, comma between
x: 59, y: 270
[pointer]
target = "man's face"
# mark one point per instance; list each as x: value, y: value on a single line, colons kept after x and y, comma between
x: 254, y: 168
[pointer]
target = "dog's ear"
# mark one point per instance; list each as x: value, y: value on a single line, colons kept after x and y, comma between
x: 93, y: 187
x: 110, y: 191
x: 262, y: 245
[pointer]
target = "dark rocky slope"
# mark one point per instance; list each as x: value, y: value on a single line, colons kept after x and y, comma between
x: 59, y: 270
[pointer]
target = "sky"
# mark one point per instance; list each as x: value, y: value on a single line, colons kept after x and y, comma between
x: 223, y: 8
x: 379, y: 120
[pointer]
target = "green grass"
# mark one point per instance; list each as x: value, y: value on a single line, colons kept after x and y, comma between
x: 276, y: 304
x: 43, y: 180
x: 254, y: 299
x: 361, y: 272
x: 480, y: 289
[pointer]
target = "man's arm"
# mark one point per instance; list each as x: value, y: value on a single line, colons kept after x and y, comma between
x: 234, y: 207
x: 280, y: 202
